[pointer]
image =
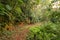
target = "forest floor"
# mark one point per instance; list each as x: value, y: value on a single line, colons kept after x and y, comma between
x: 20, y: 32
x: 24, y: 30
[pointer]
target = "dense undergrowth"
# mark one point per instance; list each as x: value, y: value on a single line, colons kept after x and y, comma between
x: 17, y: 12
x: 47, y: 31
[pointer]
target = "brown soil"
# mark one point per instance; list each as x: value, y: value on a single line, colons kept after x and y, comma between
x: 21, y: 34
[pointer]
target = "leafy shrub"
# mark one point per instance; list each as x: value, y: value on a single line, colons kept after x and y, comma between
x: 47, y: 31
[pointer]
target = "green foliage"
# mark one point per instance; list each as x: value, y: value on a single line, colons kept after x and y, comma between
x: 55, y: 17
x: 16, y: 11
x: 20, y: 10
x: 20, y: 7
x: 47, y: 31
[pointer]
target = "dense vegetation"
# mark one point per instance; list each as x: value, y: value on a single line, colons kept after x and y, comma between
x: 28, y: 11
x: 13, y: 12
x: 47, y: 31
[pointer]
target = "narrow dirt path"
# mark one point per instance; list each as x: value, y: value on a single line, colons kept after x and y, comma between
x: 21, y: 35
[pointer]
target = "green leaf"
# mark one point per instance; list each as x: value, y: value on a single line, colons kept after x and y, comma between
x: 18, y: 10
x: 8, y: 7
